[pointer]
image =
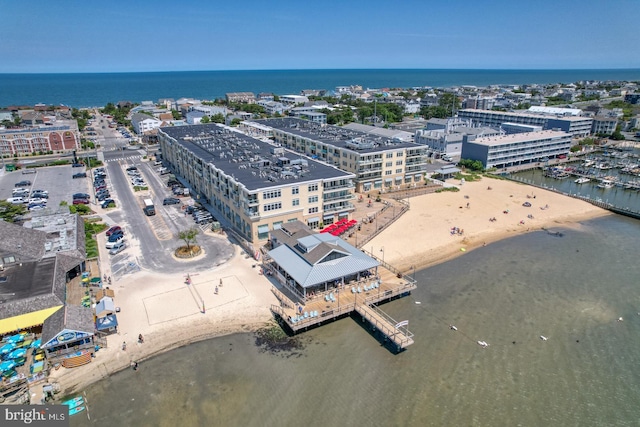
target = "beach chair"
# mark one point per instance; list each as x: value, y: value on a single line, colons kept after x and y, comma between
x: 353, y: 290
x: 359, y: 290
x: 326, y: 298
x: 306, y: 314
x: 331, y: 297
x: 315, y: 313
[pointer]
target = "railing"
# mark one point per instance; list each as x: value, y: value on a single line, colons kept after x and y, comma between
x: 385, y: 323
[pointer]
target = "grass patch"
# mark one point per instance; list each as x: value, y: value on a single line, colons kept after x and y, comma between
x: 443, y: 189
x: 469, y: 177
x: 80, y: 209
x: 91, y: 228
x: 139, y: 188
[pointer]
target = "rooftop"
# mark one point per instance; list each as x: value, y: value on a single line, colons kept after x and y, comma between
x: 520, y: 137
x: 336, y: 136
x: 252, y: 163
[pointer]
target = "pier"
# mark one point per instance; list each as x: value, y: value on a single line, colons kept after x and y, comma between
x: 359, y: 297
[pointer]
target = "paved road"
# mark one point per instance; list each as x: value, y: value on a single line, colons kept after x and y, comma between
x: 155, y: 236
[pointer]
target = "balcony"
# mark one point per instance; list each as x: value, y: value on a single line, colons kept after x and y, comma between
x: 339, y: 208
x: 253, y: 215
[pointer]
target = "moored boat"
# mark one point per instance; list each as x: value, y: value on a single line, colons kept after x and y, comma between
x: 582, y: 180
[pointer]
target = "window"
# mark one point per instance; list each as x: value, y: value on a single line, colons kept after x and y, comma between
x: 398, y: 170
x: 295, y: 190
x: 313, y: 187
x: 389, y: 155
x: 388, y: 164
x: 398, y: 162
x: 295, y: 202
x: 263, y: 232
x: 273, y: 194
x: 313, y: 210
x: 277, y: 225
x: 399, y: 154
x: 272, y: 206
x: 387, y: 172
x: 313, y: 199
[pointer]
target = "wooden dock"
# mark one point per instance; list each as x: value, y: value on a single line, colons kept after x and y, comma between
x: 349, y: 298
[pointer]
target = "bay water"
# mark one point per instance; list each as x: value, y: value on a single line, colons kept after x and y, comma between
x: 571, y: 288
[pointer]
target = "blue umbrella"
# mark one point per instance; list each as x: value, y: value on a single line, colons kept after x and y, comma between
x: 7, y: 348
x: 6, y: 365
x: 20, y: 352
x: 36, y: 343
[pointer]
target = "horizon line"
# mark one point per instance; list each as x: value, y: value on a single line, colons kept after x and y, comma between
x: 324, y: 69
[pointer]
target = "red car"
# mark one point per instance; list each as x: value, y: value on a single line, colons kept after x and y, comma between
x: 80, y: 202
x: 113, y: 229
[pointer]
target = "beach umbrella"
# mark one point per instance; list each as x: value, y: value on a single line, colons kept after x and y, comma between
x: 36, y: 343
x: 7, y: 348
x: 7, y: 365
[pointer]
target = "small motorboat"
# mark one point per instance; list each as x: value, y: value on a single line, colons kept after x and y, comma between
x: 543, y: 338
x: 453, y: 328
x: 483, y: 344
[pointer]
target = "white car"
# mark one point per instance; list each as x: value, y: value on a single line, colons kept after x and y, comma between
x: 38, y: 200
x: 111, y: 245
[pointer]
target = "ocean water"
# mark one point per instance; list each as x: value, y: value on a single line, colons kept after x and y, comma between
x: 571, y: 289
x: 97, y: 89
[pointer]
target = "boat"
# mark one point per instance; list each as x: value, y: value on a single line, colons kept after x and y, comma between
x: 483, y: 344
x: 453, y: 328
x: 582, y: 180
x: 605, y: 185
x: 76, y: 410
x: 543, y: 338
x: 76, y: 401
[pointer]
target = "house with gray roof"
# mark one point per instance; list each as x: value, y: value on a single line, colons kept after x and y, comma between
x: 307, y: 262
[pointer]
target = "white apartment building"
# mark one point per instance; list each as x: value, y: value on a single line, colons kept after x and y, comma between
x: 142, y: 123
x: 516, y: 149
x: 255, y: 186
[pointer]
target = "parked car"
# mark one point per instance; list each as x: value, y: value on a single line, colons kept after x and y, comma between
x: 111, y: 244
x: 79, y: 175
x: 81, y: 196
x: 27, y: 171
x: 21, y: 192
x: 77, y: 165
x: 16, y: 200
x: 37, y: 190
x: 103, y: 196
x: 37, y: 200
x: 80, y: 201
x: 24, y: 183
x: 172, y: 182
x: 170, y: 201
x: 132, y: 168
x: 118, y: 248
x: 36, y: 194
x: 36, y: 207
x: 115, y: 236
x: 100, y: 187
x: 107, y: 203
x: 113, y: 229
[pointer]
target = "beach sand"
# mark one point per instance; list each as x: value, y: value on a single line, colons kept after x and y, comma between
x: 168, y: 312
x: 422, y: 236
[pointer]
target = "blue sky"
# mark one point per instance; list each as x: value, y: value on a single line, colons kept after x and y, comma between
x: 117, y: 36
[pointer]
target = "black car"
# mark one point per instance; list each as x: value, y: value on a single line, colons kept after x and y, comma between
x: 79, y: 175
x: 81, y: 196
x: 170, y: 201
x: 132, y: 168
x: 38, y: 195
x: 103, y: 196
x: 115, y: 236
x: 172, y: 182
x: 25, y: 183
x: 106, y: 204
x: 77, y: 165
x: 98, y: 193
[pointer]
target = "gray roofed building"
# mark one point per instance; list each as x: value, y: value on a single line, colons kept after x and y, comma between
x: 309, y: 261
x: 36, y: 266
x: 72, y: 318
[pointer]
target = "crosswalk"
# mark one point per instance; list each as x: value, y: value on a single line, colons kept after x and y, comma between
x: 123, y: 158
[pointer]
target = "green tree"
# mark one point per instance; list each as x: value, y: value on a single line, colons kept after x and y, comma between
x: 235, y: 122
x: 205, y: 120
x: 176, y: 114
x: 9, y: 211
x: 474, y: 165
x: 189, y: 236
x: 217, y: 118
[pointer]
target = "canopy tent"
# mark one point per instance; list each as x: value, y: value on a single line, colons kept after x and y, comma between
x: 108, y: 322
x: 27, y: 320
x: 105, y: 307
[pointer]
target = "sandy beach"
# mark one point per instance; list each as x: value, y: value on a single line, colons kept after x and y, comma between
x: 423, y: 236
x: 169, y: 313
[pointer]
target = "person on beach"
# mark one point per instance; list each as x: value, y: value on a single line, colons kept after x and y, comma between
x: 124, y: 345
x: 140, y: 338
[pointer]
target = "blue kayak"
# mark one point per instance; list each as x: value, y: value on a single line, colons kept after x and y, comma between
x: 76, y: 410
x: 72, y: 403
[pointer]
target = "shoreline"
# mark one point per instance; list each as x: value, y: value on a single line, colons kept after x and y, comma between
x: 166, y: 315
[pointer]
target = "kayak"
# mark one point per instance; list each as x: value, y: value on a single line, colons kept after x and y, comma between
x: 76, y: 410
x: 74, y: 402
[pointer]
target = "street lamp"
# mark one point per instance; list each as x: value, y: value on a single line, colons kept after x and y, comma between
x: 382, y: 250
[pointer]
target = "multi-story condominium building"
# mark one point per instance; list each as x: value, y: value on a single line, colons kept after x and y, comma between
x: 604, y: 125
x: 314, y: 116
x: 578, y: 126
x: 293, y: 99
x: 516, y: 149
x: 254, y: 185
x: 63, y: 136
x: 143, y: 123
x: 632, y: 98
x: 272, y: 107
x: 379, y: 163
x: 444, y: 136
x: 247, y: 97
